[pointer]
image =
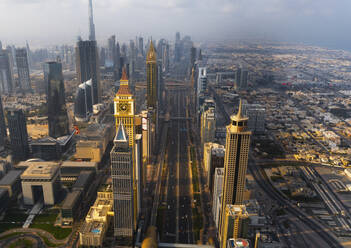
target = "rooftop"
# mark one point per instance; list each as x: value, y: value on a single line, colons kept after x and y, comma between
x: 237, y: 210
x: 71, y: 199
x: 105, y: 188
x: 30, y: 162
x: 41, y: 171
x: 94, y: 227
x: 78, y: 164
x: 10, y: 177
x: 83, y: 179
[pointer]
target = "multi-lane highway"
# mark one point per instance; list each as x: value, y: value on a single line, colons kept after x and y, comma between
x: 176, y: 184
x: 326, y: 238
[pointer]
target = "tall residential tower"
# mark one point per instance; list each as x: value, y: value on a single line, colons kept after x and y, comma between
x: 3, y: 132
x: 122, y: 181
x: 235, y: 162
x: 151, y: 76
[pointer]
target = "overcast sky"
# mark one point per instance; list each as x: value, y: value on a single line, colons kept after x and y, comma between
x: 48, y: 22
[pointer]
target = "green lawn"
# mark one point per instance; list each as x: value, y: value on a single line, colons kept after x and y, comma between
x: 46, y: 221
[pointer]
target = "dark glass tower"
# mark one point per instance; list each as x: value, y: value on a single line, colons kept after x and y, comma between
x: 3, y: 133
x: 55, y: 97
x: 87, y: 63
x: 111, y: 51
x: 18, y: 134
x: 23, y: 69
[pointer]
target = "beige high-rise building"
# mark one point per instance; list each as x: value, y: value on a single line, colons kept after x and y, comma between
x: 124, y: 112
x: 151, y: 76
x: 235, y: 162
x: 235, y: 223
x: 208, y: 125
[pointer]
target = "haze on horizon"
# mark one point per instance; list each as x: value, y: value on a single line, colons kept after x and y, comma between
x: 52, y: 22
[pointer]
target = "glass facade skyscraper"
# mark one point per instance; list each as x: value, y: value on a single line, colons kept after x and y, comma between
x: 3, y: 133
x: 6, y: 77
x: 87, y: 63
x: 18, y: 134
x: 23, y: 69
x: 83, y: 107
x: 55, y: 96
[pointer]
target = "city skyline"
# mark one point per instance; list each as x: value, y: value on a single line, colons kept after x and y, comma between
x: 270, y: 20
x: 222, y: 130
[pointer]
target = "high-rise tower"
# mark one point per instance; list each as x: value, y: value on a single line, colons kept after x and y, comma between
x: 151, y: 76
x: 6, y: 76
x: 118, y: 61
x: 87, y: 66
x: 18, y: 134
x: 122, y: 181
x: 235, y: 162
x: 83, y: 107
x: 141, y: 46
x: 55, y: 97
x: 3, y: 132
x: 111, y: 51
x: 23, y: 69
x: 91, y: 22
x: 124, y: 107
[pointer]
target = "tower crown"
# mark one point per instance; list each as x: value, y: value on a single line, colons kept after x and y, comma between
x: 239, y: 121
x: 123, y: 86
x: 124, y: 77
x: 151, y: 54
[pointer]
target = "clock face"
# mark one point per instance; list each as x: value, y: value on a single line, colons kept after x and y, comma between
x: 123, y: 107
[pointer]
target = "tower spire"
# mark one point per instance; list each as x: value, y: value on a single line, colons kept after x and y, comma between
x: 91, y: 22
x: 239, y: 114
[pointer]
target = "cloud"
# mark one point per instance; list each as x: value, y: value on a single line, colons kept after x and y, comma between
x: 50, y: 21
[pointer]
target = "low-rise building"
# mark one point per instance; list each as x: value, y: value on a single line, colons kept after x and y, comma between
x: 12, y: 183
x: 72, y: 169
x: 4, y: 199
x: 93, y: 230
x: 41, y: 182
x: 84, y: 181
x: 93, y: 142
x: 70, y: 208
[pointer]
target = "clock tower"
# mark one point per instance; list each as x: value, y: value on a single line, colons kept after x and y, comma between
x: 124, y: 108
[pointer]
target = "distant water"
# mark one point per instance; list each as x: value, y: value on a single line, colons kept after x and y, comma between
x: 331, y: 45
